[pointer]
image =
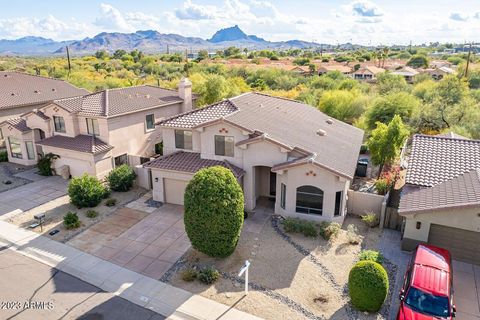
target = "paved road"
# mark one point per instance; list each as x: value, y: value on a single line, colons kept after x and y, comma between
x: 32, y: 290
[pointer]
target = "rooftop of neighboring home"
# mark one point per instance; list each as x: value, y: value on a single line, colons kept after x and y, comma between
x: 329, y: 143
x: 405, y: 71
x: 21, y: 89
x: 369, y: 69
x: 336, y: 67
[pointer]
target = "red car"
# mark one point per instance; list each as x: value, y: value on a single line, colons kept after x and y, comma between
x: 427, y: 287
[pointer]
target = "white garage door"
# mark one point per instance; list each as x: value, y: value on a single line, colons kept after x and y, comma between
x: 174, y: 191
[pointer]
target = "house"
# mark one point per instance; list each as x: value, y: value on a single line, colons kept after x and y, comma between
x: 94, y: 133
x: 407, y: 72
x: 368, y: 73
x: 346, y: 70
x: 440, y: 202
x: 439, y: 64
x: 21, y: 93
x: 301, y: 70
x: 439, y: 73
x: 276, y: 148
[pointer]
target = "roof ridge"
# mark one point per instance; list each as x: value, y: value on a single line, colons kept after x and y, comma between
x: 445, y: 138
x: 106, y: 102
x: 43, y: 77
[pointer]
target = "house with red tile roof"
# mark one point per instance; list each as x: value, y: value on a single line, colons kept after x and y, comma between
x: 280, y: 149
x: 440, y: 201
x: 95, y: 132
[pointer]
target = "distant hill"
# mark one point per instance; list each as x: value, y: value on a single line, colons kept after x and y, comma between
x: 30, y: 45
x: 233, y: 34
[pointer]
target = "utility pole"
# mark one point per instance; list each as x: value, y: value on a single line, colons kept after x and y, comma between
x: 68, y: 58
x: 168, y: 49
x: 468, y: 60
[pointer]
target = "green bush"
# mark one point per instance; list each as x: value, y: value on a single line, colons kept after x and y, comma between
x: 91, y: 214
x: 294, y: 225
x: 121, y: 178
x: 370, y: 219
x: 189, y: 274
x: 44, y: 164
x: 208, y: 275
x: 214, y: 211
x: 329, y: 230
x: 3, y: 156
x: 110, y: 202
x: 71, y: 221
x: 368, y: 286
x: 371, y: 255
x: 382, y: 186
x: 86, y: 191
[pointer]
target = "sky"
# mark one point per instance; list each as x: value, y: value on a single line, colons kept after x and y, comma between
x: 324, y: 21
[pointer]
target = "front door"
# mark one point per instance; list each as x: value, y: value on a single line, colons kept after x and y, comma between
x: 273, y: 183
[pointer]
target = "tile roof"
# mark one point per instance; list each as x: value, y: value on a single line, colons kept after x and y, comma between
x: 451, y: 134
x: 371, y: 69
x: 80, y: 143
x: 18, y: 123
x: 461, y: 191
x: 19, y: 89
x: 434, y: 159
x: 190, y: 162
x: 336, y: 149
x: 341, y: 68
x: 115, y: 102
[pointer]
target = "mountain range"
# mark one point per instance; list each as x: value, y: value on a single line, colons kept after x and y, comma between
x: 149, y: 41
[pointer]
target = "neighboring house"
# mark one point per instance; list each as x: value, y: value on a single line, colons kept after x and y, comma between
x: 96, y: 132
x: 276, y: 148
x: 367, y: 73
x: 407, y: 72
x: 21, y: 93
x: 440, y: 202
x: 440, y: 63
x: 439, y: 73
x: 322, y: 69
x: 302, y: 70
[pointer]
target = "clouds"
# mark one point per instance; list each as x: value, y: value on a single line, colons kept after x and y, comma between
x: 366, y: 9
x: 191, y: 11
x: 459, y: 16
x: 112, y: 19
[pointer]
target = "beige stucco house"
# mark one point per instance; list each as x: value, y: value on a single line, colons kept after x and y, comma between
x: 96, y: 132
x: 277, y: 148
x: 325, y: 68
x: 367, y: 73
x: 21, y: 93
x: 440, y: 202
x: 439, y: 73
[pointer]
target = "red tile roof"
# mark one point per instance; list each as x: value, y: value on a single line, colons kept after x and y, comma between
x: 190, y: 162
x: 80, y: 143
x: 17, y: 123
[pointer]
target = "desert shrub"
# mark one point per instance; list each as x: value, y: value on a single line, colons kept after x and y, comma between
x: 71, y: 220
x: 91, y: 214
x: 189, y: 274
x: 121, y: 178
x: 363, y: 149
x: 352, y: 235
x: 307, y: 228
x: 214, y: 211
x: 3, y: 156
x: 110, y: 202
x: 86, y: 191
x: 371, y: 255
x: 44, y: 164
x: 208, y: 275
x: 329, y: 230
x: 370, y: 219
x: 368, y: 286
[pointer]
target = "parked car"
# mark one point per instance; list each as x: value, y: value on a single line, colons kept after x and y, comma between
x: 427, y: 291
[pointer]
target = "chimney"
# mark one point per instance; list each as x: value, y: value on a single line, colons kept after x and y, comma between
x: 185, y: 92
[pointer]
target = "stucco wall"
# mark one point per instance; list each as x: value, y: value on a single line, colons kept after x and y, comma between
x: 22, y: 138
x: 208, y: 143
x: 71, y: 121
x: 360, y: 203
x: 78, y: 162
x: 169, y: 141
x: 6, y: 114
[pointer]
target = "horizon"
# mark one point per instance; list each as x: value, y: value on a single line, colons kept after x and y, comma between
x: 334, y: 22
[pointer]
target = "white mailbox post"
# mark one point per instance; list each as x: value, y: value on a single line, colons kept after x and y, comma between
x: 245, y: 270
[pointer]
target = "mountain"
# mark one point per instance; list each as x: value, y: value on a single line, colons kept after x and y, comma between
x: 30, y: 45
x: 233, y: 34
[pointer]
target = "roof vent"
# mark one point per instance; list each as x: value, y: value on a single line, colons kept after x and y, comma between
x: 53, y: 89
x: 36, y: 91
x: 329, y: 121
x: 261, y: 105
x: 12, y: 94
x: 321, y: 132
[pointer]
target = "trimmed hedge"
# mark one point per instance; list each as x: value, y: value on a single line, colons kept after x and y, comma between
x: 71, y: 221
x: 214, y: 211
x: 86, y: 191
x: 368, y: 286
x: 121, y: 178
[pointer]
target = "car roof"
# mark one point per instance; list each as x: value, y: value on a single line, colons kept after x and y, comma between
x: 434, y: 257
x: 431, y: 270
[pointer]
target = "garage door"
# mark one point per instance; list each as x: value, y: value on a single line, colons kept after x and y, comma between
x: 463, y: 244
x: 174, y: 191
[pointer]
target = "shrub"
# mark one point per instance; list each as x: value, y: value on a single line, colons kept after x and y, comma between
x: 110, y: 202
x: 382, y: 186
x: 371, y: 255
x: 307, y: 228
x: 91, y: 214
x: 214, y: 211
x: 352, y: 236
x: 368, y: 286
x: 71, y: 221
x: 86, y: 191
x: 329, y: 230
x: 3, y: 156
x: 44, y: 164
x: 370, y: 219
x: 189, y: 274
x: 208, y: 275
x: 363, y: 149
x: 121, y: 178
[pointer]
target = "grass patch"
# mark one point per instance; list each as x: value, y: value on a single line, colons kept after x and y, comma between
x: 294, y: 225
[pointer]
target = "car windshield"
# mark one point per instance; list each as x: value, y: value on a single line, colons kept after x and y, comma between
x: 427, y: 303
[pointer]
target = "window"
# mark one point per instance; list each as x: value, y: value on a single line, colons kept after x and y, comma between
x: 150, y: 122
x: 30, y: 150
x: 338, y: 203
x: 144, y: 160
x: 428, y: 303
x: 283, y: 194
x: 123, y: 159
x: 15, y: 148
x: 159, y: 148
x: 183, y: 139
x: 92, y: 127
x: 309, y: 200
x: 224, y: 146
x: 1, y: 134
x: 59, y: 124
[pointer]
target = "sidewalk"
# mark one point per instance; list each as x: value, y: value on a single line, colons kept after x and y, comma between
x: 169, y: 301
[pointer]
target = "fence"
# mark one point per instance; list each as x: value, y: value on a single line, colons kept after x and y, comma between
x: 360, y: 203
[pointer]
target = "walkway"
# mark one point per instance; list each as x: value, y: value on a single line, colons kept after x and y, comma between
x: 134, y: 287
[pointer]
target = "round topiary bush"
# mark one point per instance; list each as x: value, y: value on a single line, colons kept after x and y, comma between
x: 214, y: 211
x: 368, y: 286
x: 121, y: 178
x: 86, y: 191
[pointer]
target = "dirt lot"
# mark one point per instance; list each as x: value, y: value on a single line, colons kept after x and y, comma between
x: 286, y: 281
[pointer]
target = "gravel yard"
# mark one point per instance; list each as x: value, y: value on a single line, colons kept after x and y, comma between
x: 7, y: 171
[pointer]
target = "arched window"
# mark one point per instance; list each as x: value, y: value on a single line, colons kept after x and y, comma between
x: 309, y: 200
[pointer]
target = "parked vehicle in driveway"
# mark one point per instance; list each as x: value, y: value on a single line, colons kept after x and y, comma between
x: 427, y: 291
